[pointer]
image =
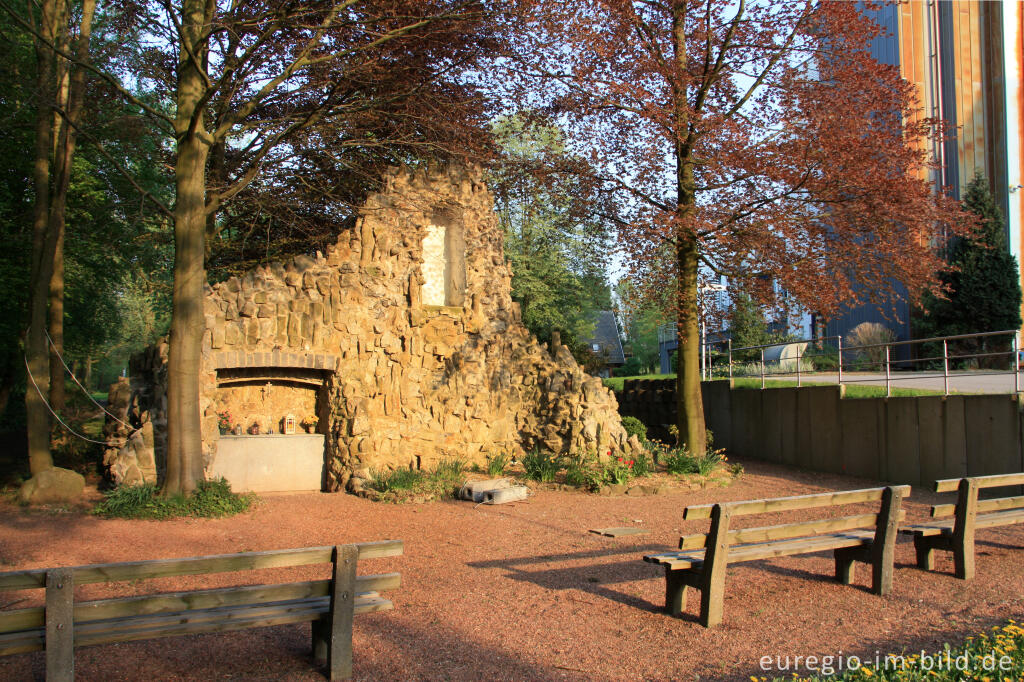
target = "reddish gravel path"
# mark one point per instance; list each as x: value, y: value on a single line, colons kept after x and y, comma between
x: 524, y: 592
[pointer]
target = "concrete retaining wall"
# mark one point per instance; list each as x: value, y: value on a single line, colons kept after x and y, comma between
x: 903, y: 440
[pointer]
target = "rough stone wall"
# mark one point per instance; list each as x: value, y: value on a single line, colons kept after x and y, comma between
x: 137, y: 435
x: 404, y: 383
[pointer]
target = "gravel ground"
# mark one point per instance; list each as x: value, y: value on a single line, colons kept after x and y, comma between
x: 523, y: 591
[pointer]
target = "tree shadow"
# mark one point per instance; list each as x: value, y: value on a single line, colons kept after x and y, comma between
x: 591, y: 578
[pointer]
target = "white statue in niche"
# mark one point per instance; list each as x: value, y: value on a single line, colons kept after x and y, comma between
x: 435, y: 265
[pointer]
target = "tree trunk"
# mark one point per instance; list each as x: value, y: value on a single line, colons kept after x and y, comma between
x: 37, y: 415
x: 690, y: 404
x: 57, y: 393
x: 184, y: 439
x: 73, y: 92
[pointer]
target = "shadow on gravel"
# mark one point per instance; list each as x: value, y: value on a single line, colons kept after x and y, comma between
x: 590, y: 578
x: 432, y: 653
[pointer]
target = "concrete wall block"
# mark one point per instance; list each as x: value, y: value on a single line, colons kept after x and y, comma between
x: 931, y: 437
x: 902, y: 463
x: 862, y: 441
x: 993, y: 434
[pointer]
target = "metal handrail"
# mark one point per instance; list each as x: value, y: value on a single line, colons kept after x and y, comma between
x: 883, y: 364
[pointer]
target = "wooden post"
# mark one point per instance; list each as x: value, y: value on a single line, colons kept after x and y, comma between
x: 845, y: 559
x: 712, y: 594
x: 343, y: 583
x: 60, y: 625
x: 675, y: 591
x: 883, y: 549
x: 963, y: 528
x: 925, y: 551
x: 320, y: 628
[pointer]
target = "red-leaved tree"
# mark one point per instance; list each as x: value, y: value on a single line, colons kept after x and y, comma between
x: 743, y: 139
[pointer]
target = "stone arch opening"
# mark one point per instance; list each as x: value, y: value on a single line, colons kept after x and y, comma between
x: 278, y: 410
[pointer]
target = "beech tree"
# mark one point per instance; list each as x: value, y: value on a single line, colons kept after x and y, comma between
x: 251, y: 93
x: 746, y: 139
x: 253, y: 84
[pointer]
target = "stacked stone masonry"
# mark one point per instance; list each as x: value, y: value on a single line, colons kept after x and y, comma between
x: 393, y: 381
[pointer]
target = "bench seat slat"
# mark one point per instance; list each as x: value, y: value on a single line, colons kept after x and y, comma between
x: 201, y: 599
x: 778, y: 504
x: 191, y: 622
x: 224, y: 563
x: 766, y: 550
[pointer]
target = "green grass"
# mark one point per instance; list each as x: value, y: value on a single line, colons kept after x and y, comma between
x: 851, y: 390
x: 994, y: 655
x: 541, y: 466
x: 212, y: 499
x: 405, y: 485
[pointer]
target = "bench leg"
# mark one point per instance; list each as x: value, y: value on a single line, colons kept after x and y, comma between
x: 339, y: 630
x: 963, y: 558
x: 321, y: 632
x: 963, y: 528
x: 924, y: 549
x: 712, y: 603
x: 675, y: 592
x: 845, y: 565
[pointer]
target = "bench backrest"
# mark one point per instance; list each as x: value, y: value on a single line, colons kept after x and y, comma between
x: 799, y: 529
x: 22, y: 619
x: 968, y: 489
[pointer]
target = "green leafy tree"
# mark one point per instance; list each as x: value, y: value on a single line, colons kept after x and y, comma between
x: 982, y: 282
x: 640, y: 323
x: 556, y: 249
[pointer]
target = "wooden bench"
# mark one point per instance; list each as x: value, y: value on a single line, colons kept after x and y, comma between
x: 701, y: 563
x: 956, y: 534
x: 62, y: 624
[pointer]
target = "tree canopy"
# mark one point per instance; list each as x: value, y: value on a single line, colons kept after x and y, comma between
x: 557, y: 251
x: 743, y: 139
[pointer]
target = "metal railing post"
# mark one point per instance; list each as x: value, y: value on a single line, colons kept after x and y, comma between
x: 945, y: 367
x: 798, y: 365
x: 1013, y: 364
x: 730, y: 358
x: 839, y: 345
x: 711, y: 375
x: 888, y: 388
x: 762, y: 368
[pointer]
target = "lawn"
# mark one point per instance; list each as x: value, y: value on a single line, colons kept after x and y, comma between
x: 852, y: 390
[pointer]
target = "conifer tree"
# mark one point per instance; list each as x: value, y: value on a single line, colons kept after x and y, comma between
x: 983, y: 283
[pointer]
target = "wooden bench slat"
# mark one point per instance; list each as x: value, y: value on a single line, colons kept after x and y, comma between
x: 766, y: 550
x: 778, y: 504
x: 1006, y: 517
x: 997, y: 504
x: 947, y: 485
x: 787, y: 531
x: 190, y: 622
x: 224, y: 563
x: 202, y: 599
